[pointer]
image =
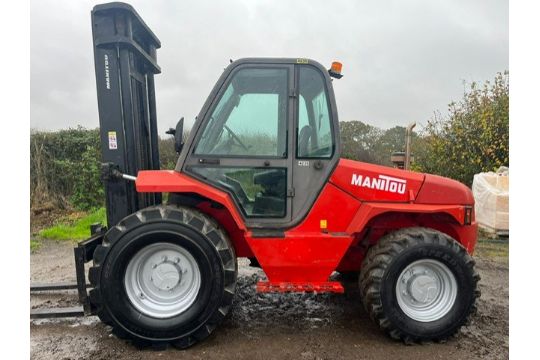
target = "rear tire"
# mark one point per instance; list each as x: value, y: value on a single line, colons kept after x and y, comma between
x: 419, y: 284
x: 164, y: 275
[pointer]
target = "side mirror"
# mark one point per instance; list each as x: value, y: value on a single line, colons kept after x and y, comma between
x: 178, y: 134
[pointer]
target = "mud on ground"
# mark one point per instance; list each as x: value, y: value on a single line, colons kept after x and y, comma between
x: 272, y: 326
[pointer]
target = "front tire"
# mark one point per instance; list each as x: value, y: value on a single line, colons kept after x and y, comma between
x: 164, y: 275
x: 419, y: 284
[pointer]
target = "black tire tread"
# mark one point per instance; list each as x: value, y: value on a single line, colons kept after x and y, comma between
x: 378, y: 259
x: 187, y: 216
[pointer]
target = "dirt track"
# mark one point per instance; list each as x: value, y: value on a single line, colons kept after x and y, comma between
x: 272, y: 326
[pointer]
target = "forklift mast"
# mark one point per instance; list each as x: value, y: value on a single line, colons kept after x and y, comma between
x: 125, y: 64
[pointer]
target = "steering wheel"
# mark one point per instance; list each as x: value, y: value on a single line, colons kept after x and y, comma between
x: 235, y: 137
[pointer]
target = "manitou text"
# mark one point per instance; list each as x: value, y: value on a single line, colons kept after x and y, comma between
x: 383, y: 182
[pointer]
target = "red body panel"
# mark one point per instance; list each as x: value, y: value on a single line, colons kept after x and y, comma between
x: 175, y: 182
x: 334, y: 235
x: 441, y: 190
x: 310, y: 252
x: 371, y: 210
x: 309, y: 258
x: 333, y: 205
x: 368, y: 182
x: 446, y: 218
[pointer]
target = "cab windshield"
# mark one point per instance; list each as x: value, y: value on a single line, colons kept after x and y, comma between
x: 250, y: 118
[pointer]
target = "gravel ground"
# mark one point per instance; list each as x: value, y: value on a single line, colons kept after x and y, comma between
x: 271, y: 326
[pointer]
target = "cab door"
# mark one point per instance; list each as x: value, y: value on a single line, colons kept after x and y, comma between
x: 244, y: 143
x: 316, y: 130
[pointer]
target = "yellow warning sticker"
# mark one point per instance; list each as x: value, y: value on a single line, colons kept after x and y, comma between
x: 324, y: 224
x: 113, y: 143
x: 302, y: 61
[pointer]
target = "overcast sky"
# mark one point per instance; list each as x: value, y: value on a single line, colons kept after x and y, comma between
x: 402, y: 59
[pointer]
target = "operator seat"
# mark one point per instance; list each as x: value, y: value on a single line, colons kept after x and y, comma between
x: 303, y: 140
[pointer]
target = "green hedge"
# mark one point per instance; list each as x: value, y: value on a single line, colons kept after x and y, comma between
x: 65, y: 169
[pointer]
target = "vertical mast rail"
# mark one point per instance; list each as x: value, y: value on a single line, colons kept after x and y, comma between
x: 125, y: 65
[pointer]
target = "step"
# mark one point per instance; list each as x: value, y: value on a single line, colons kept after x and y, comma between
x: 302, y: 287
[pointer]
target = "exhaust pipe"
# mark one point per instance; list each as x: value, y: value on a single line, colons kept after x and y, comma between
x: 408, y: 146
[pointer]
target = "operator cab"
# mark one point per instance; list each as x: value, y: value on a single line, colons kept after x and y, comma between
x: 267, y: 136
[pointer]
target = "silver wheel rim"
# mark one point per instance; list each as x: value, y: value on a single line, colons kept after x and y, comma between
x: 426, y: 290
x: 162, y: 280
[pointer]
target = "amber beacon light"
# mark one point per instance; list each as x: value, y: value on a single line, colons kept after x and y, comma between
x: 335, y: 70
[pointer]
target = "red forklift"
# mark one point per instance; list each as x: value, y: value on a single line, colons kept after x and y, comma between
x: 260, y: 177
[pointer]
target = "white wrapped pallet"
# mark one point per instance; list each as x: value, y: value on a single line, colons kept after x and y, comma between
x: 490, y: 192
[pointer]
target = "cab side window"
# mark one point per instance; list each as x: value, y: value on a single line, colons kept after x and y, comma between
x: 314, y: 136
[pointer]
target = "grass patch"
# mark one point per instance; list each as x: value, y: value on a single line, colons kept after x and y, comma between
x: 492, y: 248
x: 74, y: 229
x: 34, y: 245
